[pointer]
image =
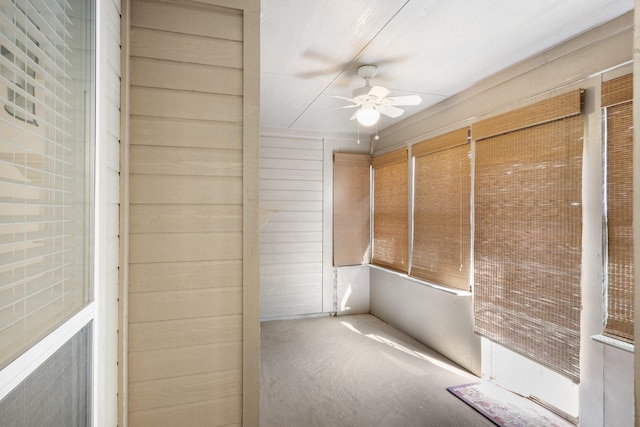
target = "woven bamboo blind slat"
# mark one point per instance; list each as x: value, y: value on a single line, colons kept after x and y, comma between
x: 441, y: 224
x: 527, y: 242
x: 616, y: 97
x: 390, y: 210
x: 566, y: 105
x: 442, y: 142
x: 351, y: 209
x: 398, y: 156
x: 352, y: 159
x: 617, y: 90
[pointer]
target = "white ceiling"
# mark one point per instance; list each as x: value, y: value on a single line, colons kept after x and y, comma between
x: 433, y: 48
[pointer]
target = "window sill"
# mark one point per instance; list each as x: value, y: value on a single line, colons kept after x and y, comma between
x: 456, y: 292
x: 622, y: 345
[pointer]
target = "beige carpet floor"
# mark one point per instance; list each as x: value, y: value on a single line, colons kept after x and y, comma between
x: 354, y: 371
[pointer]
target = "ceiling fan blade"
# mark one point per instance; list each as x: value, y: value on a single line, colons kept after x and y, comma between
x: 344, y: 98
x: 340, y: 108
x: 379, y: 92
x: 403, y: 100
x: 390, y: 111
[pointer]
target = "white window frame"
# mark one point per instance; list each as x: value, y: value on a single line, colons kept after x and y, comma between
x: 25, y: 364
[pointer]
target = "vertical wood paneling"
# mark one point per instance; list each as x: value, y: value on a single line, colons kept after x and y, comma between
x: 186, y: 213
x: 291, y: 195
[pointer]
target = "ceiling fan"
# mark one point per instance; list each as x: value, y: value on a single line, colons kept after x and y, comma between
x: 372, y: 101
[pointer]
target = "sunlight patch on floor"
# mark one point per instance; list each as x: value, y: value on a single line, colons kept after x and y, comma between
x: 417, y: 354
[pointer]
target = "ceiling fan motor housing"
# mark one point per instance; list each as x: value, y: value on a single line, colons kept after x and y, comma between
x: 367, y: 71
x: 362, y: 93
x: 372, y: 100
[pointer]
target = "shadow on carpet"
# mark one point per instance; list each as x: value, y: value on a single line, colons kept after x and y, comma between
x: 506, y: 409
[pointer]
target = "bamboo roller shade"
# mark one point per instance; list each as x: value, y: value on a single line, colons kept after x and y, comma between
x: 352, y: 159
x: 528, y: 226
x: 617, y: 95
x: 351, y: 209
x: 555, y: 108
x: 390, y: 212
x: 617, y: 90
x: 398, y: 156
x: 441, y: 224
x: 442, y: 142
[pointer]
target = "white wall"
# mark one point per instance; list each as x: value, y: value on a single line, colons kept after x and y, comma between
x: 353, y: 290
x: 439, y: 319
x: 291, y: 206
x: 604, y: 396
x: 297, y: 276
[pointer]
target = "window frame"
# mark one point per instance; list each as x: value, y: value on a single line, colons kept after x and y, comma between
x: 513, y: 295
x: 27, y: 362
x: 351, y: 209
x: 395, y: 159
x: 447, y: 144
x: 617, y: 94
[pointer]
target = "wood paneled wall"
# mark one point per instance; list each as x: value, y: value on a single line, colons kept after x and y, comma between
x: 291, y: 197
x: 185, y: 281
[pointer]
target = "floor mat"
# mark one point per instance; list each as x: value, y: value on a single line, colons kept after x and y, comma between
x: 506, y: 409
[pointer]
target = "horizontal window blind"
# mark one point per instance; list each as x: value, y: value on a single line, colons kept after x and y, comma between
x: 351, y: 209
x: 45, y: 167
x: 528, y: 225
x: 441, y: 219
x: 390, y: 210
x: 617, y: 106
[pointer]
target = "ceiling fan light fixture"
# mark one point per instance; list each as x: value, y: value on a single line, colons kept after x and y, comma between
x: 372, y: 101
x: 367, y: 116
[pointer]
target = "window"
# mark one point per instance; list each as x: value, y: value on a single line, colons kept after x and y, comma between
x: 351, y: 209
x: 58, y: 393
x: 441, y: 219
x: 528, y: 230
x: 617, y: 108
x: 46, y: 167
x: 390, y: 211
